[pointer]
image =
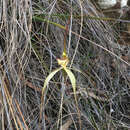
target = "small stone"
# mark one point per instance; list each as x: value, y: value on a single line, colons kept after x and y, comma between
x: 105, y: 4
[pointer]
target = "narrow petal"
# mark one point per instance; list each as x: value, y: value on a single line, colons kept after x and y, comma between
x: 49, y: 77
x: 72, y: 79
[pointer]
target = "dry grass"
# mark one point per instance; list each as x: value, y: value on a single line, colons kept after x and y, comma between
x: 28, y: 51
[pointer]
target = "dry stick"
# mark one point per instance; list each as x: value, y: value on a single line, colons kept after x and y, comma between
x: 2, y: 116
x: 41, y: 109
x: 21, y: 114
x: 9, y: 100
x: 19, y: 122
